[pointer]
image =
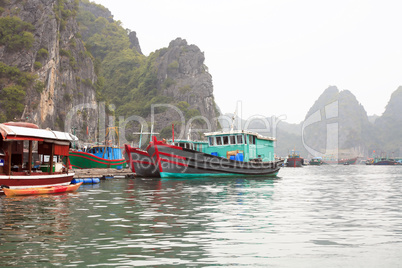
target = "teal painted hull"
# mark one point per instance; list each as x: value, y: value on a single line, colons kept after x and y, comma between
x: 209, y: 175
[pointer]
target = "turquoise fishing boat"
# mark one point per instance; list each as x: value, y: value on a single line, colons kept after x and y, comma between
x: 223, y: 154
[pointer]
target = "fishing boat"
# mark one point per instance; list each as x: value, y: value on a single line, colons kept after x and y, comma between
x: 42, y: 190
x: 385, y: 162
x: 98, y: 156
x: 232, y: 153
x: 18, y: 171
x: 294, y: 159
x: 103, y: 155
x: 316, y: 161
x: 140, y: 162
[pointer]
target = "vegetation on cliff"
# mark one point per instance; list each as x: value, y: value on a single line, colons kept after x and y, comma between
x: 16, y: 34
x: 14, y: 84
x: 133, y: 82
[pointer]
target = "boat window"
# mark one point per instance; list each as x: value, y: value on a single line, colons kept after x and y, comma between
x: 239, y: 139
x: 218, y: 140
x: 225, y: 140
x: 211, y: 141
x: 232, y: 139
x: 251, y: 139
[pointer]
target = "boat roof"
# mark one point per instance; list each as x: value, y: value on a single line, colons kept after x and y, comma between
x: 187, y: 141
x: 10, y: 132
x: 233, y: 132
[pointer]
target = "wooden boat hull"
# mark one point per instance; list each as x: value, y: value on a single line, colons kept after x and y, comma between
x: 35, y: 180
x: 83, y: 160
x: 386, y: 163
x: 140, y: 162
x: 42, y: 190
x: 175, y: 161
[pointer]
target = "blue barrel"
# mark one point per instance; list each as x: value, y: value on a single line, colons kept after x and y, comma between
x: 95, y: 180
x: 119, y: 167
x: 240, y: 157
x: 87, y: 181
x: 232, y: 157
x: 214, y: 153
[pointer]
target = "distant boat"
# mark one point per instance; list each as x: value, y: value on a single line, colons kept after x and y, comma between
x: 316, y: 161
x: 294, y: 160
x: 382, y: 161
x: 349, y: 161
x: 385, y: 162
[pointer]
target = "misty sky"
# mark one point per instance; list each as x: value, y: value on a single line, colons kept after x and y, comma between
x: 277, y: 57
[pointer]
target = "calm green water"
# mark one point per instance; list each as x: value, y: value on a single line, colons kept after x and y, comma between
x: 328, y: 216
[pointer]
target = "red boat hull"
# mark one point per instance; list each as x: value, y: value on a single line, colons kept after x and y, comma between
x: 295, y: 162
x: 140, y: 162
x: 20, y: 181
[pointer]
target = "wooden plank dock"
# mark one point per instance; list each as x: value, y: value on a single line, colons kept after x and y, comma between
x: 102, y: 173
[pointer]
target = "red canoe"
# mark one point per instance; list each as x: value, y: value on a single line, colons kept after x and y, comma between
x: 42, y: 190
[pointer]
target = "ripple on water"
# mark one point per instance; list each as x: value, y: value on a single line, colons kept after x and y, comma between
x: 313, y: 216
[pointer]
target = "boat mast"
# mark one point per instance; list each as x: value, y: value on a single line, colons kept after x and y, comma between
x: 189, y: 133
x: 139, y: 143
x: 233, y: 120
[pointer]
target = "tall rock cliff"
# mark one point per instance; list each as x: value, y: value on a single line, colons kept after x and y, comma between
x: 68, y: 65
x: 389, y: 125
x: 183, y: 77
x: 337, y: 124
x: 174, y: 77
x: 63, y: 73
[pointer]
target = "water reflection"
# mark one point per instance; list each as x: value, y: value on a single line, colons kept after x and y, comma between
x: 30, y: 224
x: 297, y: 220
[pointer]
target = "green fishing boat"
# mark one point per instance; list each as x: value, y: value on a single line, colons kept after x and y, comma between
x: 104, y: 155
x: 98, y: 156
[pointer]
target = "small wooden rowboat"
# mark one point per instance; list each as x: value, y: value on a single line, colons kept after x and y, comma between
x: 42, y: 190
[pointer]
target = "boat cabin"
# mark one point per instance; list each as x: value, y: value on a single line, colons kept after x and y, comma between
x: 17, y: 145
x: 107, y: 152
x: 235, y: 145
x: 241, y: 145
x: 193, y: 145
